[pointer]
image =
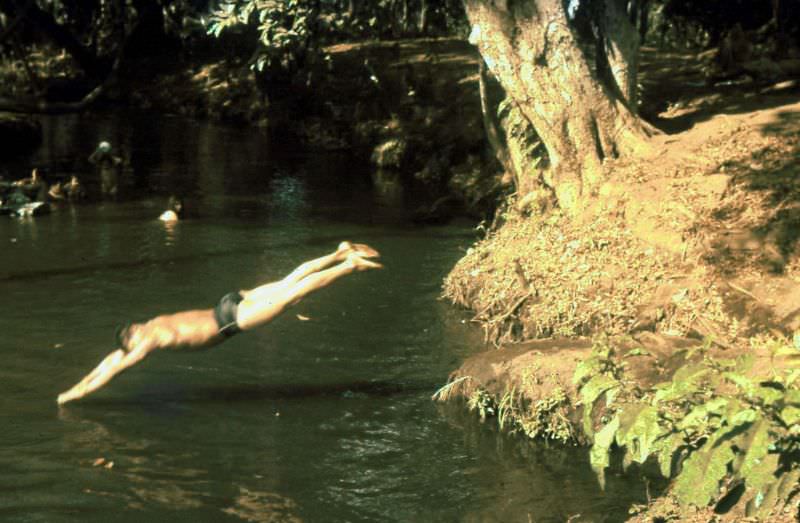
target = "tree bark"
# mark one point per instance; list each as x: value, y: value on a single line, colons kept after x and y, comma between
x: 581, y: 117
x: 619, y: 47
x: 492, y: 127
x: 643, y: 19
x: 422, y: 27
x: 37, y: 106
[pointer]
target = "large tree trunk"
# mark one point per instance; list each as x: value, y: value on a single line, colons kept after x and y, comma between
x: 33, y: 106
x: 404, y: 17
x: 618, y: 51
x: 491, y: 125
x: 582, y: 117
x: 424, y: 11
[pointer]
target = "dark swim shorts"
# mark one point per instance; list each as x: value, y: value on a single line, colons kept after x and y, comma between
x: 122, y: 336
x: 225, y: 314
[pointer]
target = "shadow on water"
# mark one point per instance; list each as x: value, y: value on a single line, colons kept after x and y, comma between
x: 326, y: 241
x: 423, y: 472
x: 90, y: 268
x: 560, y: 476
x: 261, y: 392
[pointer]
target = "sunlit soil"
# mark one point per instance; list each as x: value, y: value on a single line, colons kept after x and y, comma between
x: 689, y: 242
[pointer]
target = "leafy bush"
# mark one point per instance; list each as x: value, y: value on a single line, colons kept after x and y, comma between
x: 544, y: 418
x: 284, y: 27
x: 290, y: 29
x: 712, y: 428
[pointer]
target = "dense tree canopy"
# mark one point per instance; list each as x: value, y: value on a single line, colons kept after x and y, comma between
x: 568, y: 68
x: 95, y: 31
x: 92, y: 31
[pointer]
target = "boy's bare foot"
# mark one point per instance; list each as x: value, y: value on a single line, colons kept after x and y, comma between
x: 365, y: 251
x: 343, y: 250
x: 361, y: 264
x: 361, y: 249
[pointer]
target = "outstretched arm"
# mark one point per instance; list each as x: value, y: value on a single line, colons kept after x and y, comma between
x: 113, y: 364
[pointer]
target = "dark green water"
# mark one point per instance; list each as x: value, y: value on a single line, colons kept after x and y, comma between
x: 322, y: 420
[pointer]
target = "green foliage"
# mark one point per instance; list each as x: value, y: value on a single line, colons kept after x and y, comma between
x: 482, y: 401
x: 291, y: 30
x: 597, y: 386
x: 545, y: 418
x: 598, y: 377
x: 703, y: 471
x: 285, y: 28
x: 638, y: 430
x: 718, y: 424
x: 599, y: 455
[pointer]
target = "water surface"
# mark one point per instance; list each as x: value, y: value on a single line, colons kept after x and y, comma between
x: 328, y: 419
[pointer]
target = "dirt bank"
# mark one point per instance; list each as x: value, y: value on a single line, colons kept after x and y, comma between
x: 535, y: 379
x: 696, y: 242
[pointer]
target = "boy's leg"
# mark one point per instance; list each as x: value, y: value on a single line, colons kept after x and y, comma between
x: 310, y: 267
x: 339, y: 255
x: 254, y: 312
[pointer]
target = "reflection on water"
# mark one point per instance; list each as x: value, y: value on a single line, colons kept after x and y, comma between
x: 289, y: 197
x: 328, y: 419
x: 263, y: 507
x: 171, y: 230
x: 388, y: 189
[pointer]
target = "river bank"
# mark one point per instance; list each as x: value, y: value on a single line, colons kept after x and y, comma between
x: 693, y: 248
